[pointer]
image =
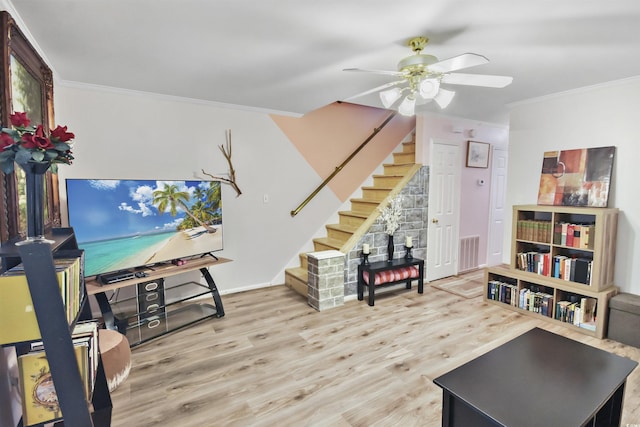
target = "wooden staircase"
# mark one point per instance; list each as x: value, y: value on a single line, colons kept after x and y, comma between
x: 353, y: 224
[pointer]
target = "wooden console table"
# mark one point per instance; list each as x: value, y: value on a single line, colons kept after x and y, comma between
x: 537, y: 379
x: 142, y: 318
x: 407, y: 270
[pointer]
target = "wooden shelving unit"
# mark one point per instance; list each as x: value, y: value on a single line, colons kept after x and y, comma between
x: 545, y: 238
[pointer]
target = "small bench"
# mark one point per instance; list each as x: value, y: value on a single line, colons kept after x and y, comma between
x: 384, y: 273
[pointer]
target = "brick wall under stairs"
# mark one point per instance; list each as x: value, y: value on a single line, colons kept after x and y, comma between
x: 353, y: 224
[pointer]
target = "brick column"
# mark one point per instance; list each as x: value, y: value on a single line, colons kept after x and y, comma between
x: 326, y: 279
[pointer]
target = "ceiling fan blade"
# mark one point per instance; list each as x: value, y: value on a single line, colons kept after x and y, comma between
x: 375, y: 89
x: 383, y: 72
x: 459, y: 62
x: 477, y: 80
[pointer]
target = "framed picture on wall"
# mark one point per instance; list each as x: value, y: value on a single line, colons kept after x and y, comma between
x: 579, y: 177
x: 478, y: 154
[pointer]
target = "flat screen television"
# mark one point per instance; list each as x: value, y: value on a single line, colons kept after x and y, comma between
x: 124, y: 224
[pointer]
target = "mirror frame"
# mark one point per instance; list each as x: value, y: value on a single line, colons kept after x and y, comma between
x: 15, y: 44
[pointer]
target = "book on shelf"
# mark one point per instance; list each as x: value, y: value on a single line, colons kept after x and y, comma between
x: 577, y: 232
x: 582, y: 271
x: 536, y: 301
x: 588, y: 306
x: 533, y: 230
x: 572, y: 269
x: 569, y: 237
x: 534, y: 262
x: 586, y: 236
x: 573, y: 235
x: 503, y: 292
x: 566, y: 274
x: 39, y: 398
x: 85, y: 333
x: 580, y: 313
x: 17, y: 314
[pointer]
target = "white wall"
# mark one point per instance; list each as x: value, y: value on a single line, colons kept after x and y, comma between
x: 603, y: 115
x: 131, y: 135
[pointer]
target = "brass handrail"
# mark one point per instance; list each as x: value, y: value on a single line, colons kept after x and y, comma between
x: 342, y: 165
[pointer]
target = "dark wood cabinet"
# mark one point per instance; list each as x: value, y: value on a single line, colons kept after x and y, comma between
x: 537, y: 379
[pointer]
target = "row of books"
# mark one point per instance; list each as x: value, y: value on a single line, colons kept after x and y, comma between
x: 533, y: 230
x: 580, y: 313
x: 536, y: 301
x: 503, y: 292
x: 38, y: 394
x: 16, y: 306
x: 526, y: 299
x: 578, y: 236
x: 562, y: 267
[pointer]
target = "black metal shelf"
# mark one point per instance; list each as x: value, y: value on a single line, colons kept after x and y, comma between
x: 38, y: 260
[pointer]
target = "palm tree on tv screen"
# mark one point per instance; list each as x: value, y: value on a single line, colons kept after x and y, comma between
x: 170, y: 197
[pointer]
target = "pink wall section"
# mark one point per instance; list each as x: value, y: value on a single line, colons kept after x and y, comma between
x: 475, y: 202
x: 327, y: 136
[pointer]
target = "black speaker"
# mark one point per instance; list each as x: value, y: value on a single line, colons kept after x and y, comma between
x: 151, y: 298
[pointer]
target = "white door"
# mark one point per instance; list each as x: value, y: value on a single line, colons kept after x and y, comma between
x: 497, y: 213
x: 444, y: 215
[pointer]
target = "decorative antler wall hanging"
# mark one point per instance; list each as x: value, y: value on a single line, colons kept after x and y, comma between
x: 226, y: 151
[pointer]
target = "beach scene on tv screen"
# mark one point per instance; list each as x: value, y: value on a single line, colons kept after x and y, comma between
x: 123, y: 224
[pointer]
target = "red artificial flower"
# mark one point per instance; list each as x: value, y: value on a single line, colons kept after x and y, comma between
x: 37, y: 140
x: 19, y: 120
x: 5, y: 141
x: 60, y: 134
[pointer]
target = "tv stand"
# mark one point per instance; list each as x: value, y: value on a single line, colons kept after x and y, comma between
x: 157, y: 309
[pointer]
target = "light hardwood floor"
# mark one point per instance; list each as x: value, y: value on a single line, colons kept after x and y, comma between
x: 275, y: 361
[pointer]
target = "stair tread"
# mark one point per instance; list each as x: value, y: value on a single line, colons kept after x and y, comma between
x: 354, y: 214
x: 296, y: 271
x: 343, y: 227
x: 379, y: 187
x: 361, y: 200
x: 398, y: 164
x: 389, y: 176
x: 335, y: 243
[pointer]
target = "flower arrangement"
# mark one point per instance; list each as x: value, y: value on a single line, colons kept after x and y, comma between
x: 23, y: 144
x: 390, y: 215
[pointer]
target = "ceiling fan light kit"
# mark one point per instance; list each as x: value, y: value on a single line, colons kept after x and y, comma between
x: 429, y: 88
x: 408, y: 106
x: 389, y: 97
x: 444, y: 98
x: 421, y: 76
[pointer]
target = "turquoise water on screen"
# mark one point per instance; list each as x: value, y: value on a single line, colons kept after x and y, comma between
x: 122, y: 253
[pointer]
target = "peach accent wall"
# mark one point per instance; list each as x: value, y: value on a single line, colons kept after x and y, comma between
x: 327, y: 136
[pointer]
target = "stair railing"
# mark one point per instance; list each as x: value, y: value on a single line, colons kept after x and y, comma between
x: 342, y: 165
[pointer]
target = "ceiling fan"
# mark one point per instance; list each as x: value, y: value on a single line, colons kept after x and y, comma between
x: 421, y: 77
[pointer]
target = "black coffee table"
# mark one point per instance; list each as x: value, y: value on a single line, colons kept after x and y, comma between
x: 537, y: 379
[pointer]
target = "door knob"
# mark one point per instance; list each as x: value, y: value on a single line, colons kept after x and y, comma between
x: 434, y: 220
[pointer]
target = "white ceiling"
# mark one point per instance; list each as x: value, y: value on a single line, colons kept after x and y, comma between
x: 287, y: 56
